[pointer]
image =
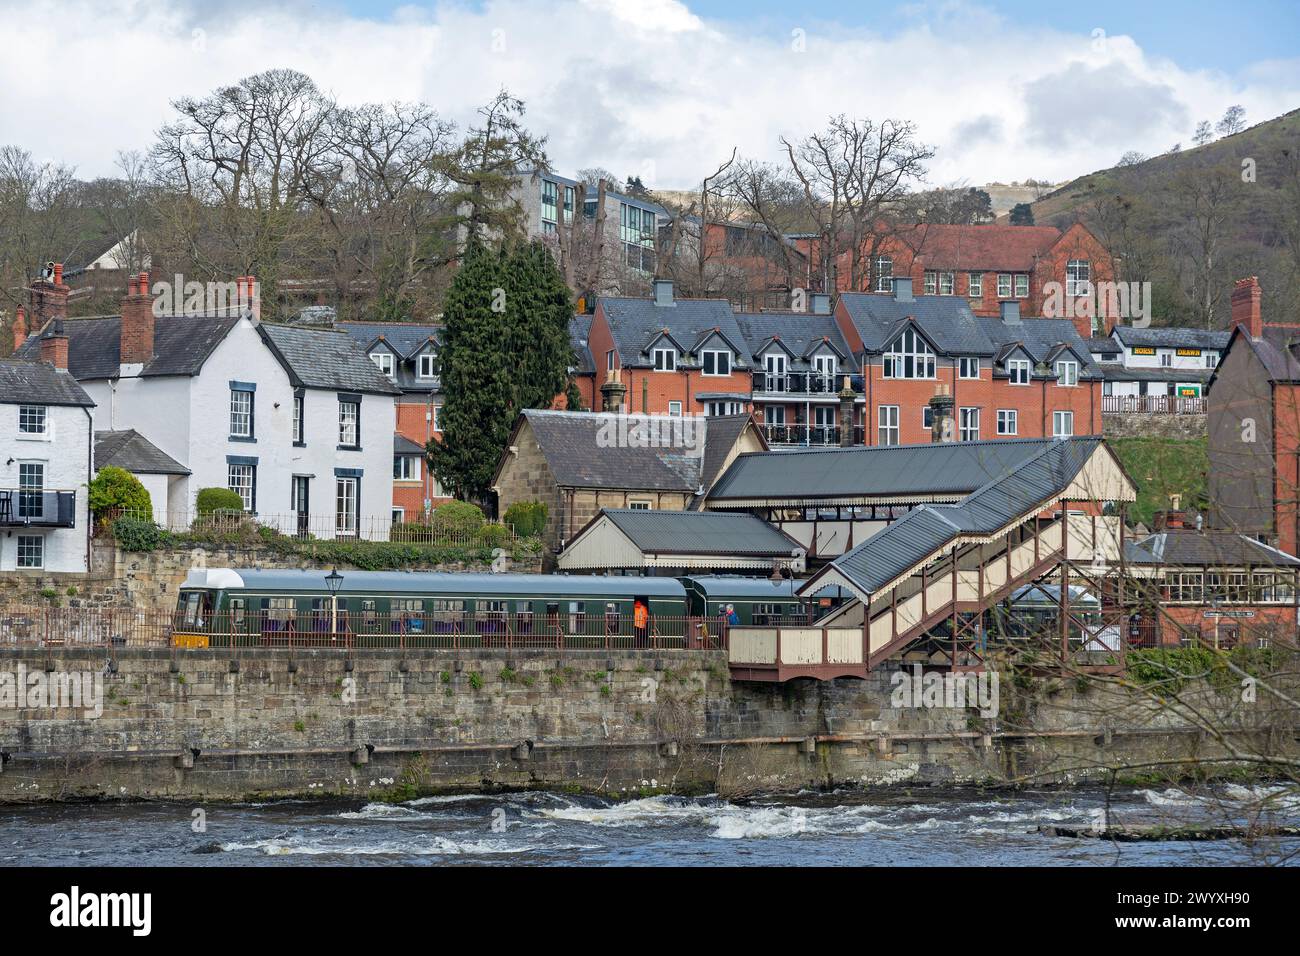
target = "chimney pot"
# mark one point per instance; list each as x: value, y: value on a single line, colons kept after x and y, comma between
x: 58, y: 273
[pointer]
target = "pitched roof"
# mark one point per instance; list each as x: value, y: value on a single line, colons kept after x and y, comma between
x: 130, y: 450
x: 1171, y: 338
x: 1103, y: 345
x: 404, y: 446
x: 579, y: 330
x: 1042, y: 339
x: 701, y: 532
x: 636, y: 323
x: 902, y: 473
x: 980, y: 248
x: 181, y: 344
x: 593, y: 450
x: 405, y: 339
x: 324, y: 358
x: 945, y: 320
x: 1188, y: 547
x: 23, y: 383
x: 722, y: 434
x: 1276, y: 350
x: 926, y: 530
x: 800, y: 333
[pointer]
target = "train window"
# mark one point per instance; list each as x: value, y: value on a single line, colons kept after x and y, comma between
x: 766, y: 613
x: 281, y: 609
x: 577, y: 616
x: 445, y: 605
x: 612, y: 617
x: 237, y: 610
x: 368, y: 613
x: 192, y: 609
x: 524, y: 622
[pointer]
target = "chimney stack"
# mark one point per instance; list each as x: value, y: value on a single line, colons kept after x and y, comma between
x: 1010, y: 312
x: 941, y: 405
x: 54, y: 346
x: 1246, y: 310
x: 848, y: 413
x: 137, y: 322
x: 821, y: 303
x: 903, y: 289
x: 48, y: 297
x: 612, y: 393
x: 20, y: 328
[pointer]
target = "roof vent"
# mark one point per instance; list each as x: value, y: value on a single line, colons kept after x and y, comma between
x: 903, y: 289
x: 664, y: 292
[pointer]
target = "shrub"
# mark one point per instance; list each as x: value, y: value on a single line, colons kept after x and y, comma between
x: 493, y: 535
x: 116, y: 490
x: 210, y: 500
x: 458, y: 517
x: 527, y: 517
x: 134, y: 534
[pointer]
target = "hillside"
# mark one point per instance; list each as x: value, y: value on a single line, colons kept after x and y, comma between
x: 1192, y: 221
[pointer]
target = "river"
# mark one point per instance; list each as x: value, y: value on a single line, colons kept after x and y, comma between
x: 843, y: 827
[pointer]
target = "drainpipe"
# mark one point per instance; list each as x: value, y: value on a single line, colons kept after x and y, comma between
x: 90, y: 474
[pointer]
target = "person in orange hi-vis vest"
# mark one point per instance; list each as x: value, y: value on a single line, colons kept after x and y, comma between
x: 640, y: 621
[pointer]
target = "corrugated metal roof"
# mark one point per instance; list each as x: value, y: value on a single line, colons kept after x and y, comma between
x: 701, y: 532
x: 911, y: 472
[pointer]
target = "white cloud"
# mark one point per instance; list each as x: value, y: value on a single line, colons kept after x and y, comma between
x: 642, y: 87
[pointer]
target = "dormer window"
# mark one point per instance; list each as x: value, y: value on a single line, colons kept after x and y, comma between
x: 1067, y: 372
x: 665, y: 360
x: 909, y: 357
x: 428, y: 365
x: 383, y: 361
x: 1018, y: 371
x: 715, y: 362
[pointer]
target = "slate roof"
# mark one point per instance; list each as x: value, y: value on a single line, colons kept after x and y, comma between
x: 1171, y: 338
x: 38, y: 383
x: 1118, y: 373
x: 1042, y: 339
x: 326, y: 359
x: 406, y: 340
x: 181, y: 345
x: 130, y: 450
x: 926, y: 530
x: 979, y: 248
x: 579, y: 330
x: 585, y: 450
x: 1188, y: 547
x: 802, y: 333
x: 946, y: 320
x: 1103, y: 345
x: 701, y: 532
x: 636, y: 322
x: 404, y: 446
x: 900, y: 472
x: 722, y: 433
x: 1276, y: 350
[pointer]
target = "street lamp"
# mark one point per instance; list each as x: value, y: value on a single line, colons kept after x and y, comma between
x: 334, y: 581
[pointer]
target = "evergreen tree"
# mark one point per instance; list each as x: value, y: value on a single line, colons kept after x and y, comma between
x: 478, y: 383
x: 1022, y: 214
x: 540, y: 309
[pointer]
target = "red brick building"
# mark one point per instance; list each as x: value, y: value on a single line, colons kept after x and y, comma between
x: 1254, y: 426
x: 985, y: 265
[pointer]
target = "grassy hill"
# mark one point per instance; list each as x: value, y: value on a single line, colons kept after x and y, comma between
x: 1163, y: 467
x: 1192, y: 221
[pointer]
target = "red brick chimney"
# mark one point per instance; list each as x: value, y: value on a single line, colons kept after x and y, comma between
x: 48, y: 297
x: 20, y: 328
x: 1245, y: 306
x: 137, y: 322
x: 54, y: 346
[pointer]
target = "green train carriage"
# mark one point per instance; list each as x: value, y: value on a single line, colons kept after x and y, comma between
x: 227, y: 607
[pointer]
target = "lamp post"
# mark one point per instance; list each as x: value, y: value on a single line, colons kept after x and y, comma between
x: 334, y: 581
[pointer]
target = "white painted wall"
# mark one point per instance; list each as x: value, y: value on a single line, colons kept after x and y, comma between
x: 65, y: 452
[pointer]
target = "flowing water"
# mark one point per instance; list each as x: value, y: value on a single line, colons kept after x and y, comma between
x: 888, y: 828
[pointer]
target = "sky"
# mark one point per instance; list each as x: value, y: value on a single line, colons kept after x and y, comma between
x: 665, y: 89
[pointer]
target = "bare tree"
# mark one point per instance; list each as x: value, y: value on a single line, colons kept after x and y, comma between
x: 1233, y: 121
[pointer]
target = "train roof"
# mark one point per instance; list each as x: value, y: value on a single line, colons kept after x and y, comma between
x: 737, y: 586
x: 421, y: 582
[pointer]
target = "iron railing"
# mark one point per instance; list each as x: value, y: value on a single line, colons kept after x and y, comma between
x: 1152, y: 405
x: 804, y: 383
x: 808, y: 435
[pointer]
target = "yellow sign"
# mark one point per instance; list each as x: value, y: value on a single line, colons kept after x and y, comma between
x: 1143, y: 350
x: 1189, y: 352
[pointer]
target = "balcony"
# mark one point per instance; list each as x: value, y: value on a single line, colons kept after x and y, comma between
x: 1152, y: 405
x: 806, y: 436
x: 21, y: 508
x: 804, y: 384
